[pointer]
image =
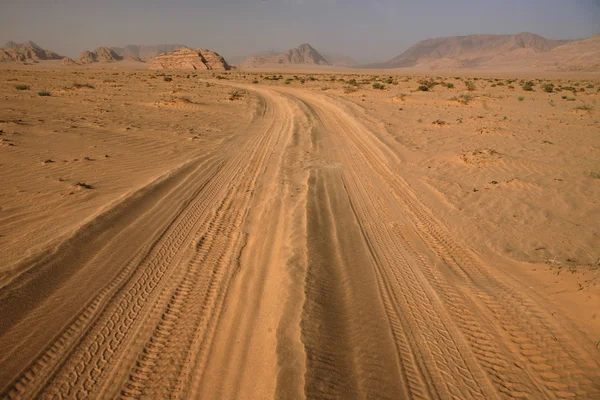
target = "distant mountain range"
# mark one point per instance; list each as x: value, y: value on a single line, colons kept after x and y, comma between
x: 146, y: 52
x: 522, y: 50
x: 304, y: 54
x: 279, y: 57
x: 498, y: 51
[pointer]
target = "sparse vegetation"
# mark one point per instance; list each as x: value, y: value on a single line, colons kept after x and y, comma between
x: 584, y: 107
x: 82, y: 85
x: 350, y: 89
x: 44, y: 93
x: 528, y: 86
x: 439, y: 122
x: 423, y: 88
x: 22, y: 87
x: 548, y: 87
x: 594, y: 174
x: 464, y: 98
x: 167, y: 79
x: 470, y: 85
x: 520, y: 98
x: 378, y: 85
x: 255, y: 81
x: 235, y: 95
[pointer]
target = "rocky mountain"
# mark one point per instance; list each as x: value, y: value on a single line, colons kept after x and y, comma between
x: 26, y: 52
x: 100, y: 55
x: 303, y: 54
x: 471, y: 51
x: 184, y: 58
x: 576, y: 56
x: 146, y: 52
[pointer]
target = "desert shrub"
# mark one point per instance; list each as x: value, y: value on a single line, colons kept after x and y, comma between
x: 82, y: 85
x: 302, y: 81
x: 389, y: 80
x: 548, y: 87
x: 500, y: 84
x: 450, y: 85
x: 528, y: 87
x: 288, y: 81
x: 594, y: 174
x: 22, y: 87
x: 378, y: 85
x: 255, y: 81
x: 584, y: 107
x: 167, y: 79
x: 464, y: 98
x: 511, y: 87
x: 520, y: 98
x: 470, y: 86
x: 312, y: 78
x: 353, y: 82
x: 590, y: 86
x: 44, y: 93
x: 350, y: 89
x: 235, y: 95
x: 423, y: 88
x: 430, y: 83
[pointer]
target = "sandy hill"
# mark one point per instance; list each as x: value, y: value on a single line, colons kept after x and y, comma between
x: 303, y: 54
x: 340, y: 60
x: 185, y: 58
x: 471, y: 51
x: 26, y: 52
x: 241, y: 59
x: 101, y: 55
x: 146, y: 52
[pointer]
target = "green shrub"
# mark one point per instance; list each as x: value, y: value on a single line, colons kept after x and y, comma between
x: 450, y: 85
x: 22, y: 87
x: 528, y: 87
x: 44, y: 93
x: 167, y: 79
x: 548, y: 87
x: 520, y: 98
x: 378, y: 85
x: 423, y: 88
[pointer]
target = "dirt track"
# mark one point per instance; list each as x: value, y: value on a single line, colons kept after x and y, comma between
x: 291, y: 261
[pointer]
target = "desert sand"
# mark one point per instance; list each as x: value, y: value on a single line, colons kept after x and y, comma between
x: 298, y: 234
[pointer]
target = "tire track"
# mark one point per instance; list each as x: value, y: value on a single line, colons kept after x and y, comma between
x: 544, y: 364
x: 96, y: 345
x: 179, y: 345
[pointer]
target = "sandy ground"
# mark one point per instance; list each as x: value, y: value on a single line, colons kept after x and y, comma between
x: 232, y: 236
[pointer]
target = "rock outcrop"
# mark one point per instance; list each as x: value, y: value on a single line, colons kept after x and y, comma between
x: 304, y: 54
x: 100, y: 55
x: 184, y: 58
x: 26, y: 52
x: 146, y: 52
x: 69, y: 61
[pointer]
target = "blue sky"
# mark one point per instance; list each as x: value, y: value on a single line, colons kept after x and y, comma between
x: 368, y: 30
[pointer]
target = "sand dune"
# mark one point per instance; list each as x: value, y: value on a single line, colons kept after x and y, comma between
x: 300, y: 237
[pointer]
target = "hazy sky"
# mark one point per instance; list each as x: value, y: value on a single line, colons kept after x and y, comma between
x: 367, y: 30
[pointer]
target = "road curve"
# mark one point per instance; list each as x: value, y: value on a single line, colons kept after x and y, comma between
x: 291, y: 262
